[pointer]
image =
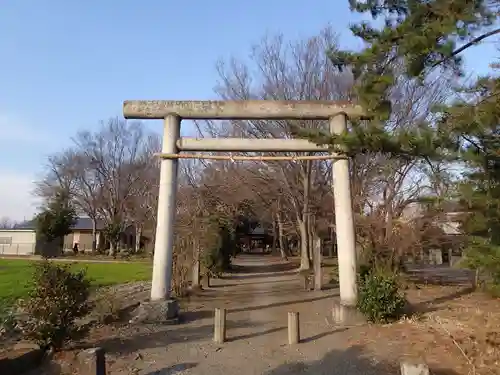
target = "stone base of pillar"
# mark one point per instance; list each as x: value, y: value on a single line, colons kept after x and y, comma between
x: 346, y: 315
x: 159, y: 312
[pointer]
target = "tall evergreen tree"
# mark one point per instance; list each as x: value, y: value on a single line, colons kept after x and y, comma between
x: 416, y: 37
x: 422, y: 38
x: 475, y: 121
x: 56, y: 218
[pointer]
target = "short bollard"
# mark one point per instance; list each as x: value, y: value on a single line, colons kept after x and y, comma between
x: 92, y: 362
x: 220, y: 326
x: 414, y: 368
x: 293, y: 328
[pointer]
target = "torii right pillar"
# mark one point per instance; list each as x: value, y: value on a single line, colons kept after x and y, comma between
x: 344, y: 225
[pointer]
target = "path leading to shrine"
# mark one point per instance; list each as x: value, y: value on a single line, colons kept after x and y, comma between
x: 257, y: 296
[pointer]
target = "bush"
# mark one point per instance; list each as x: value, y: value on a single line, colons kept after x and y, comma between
x: 8, y: 322
x: 217, y: 258
x: 364, y: 270
x: 484, y: 258
x: 215, y: 261
x: 380, y: 299
x: 58, y: 297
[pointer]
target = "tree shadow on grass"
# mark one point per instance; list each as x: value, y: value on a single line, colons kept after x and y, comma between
x: 353, y: 361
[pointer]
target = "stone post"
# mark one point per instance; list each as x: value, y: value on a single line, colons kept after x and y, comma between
x: 220, y: 326
x: 164, y: 240
x: 344, y: 222
x: 414, y: 368
x: 92, y: 362
x: 293, y: 328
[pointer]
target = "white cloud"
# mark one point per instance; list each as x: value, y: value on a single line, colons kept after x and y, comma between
x: 16, y: 200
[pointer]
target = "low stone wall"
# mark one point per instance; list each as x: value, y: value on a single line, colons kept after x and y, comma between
x: 21, y: 361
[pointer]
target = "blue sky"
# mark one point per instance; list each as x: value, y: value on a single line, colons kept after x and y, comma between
x: 66, y: 65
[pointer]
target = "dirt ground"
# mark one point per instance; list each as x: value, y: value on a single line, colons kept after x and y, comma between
x: 454, y: 331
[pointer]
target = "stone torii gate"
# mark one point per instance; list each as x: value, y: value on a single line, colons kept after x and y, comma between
x: 172, y: 112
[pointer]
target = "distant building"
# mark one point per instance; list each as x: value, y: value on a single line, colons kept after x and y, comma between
x: 21, y: 240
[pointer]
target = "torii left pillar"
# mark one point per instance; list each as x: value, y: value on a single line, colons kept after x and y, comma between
x: 161, y: 308
x: 164, y: 243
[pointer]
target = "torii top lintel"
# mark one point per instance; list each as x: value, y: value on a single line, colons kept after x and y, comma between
x: 241, y: 109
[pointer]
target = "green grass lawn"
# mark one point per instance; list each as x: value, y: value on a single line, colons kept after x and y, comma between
x: 16, y: 273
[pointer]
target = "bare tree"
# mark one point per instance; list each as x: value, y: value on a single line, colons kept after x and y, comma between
x: 116, y: 156
x: 288, y: 71
x: 386, y: 188
x: 142, y: 203
x: 107, y: 172
x: 72, y: 171
x: 7, y: 223
x: 382, y: 186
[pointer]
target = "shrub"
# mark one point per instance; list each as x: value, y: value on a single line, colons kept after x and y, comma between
x: 380, y: 299
x: 8, y: 322
x: 363, y: 271
x: 215, y: 262
x: 57, y: 298
x: 483, y: 257
x: 217, y: 258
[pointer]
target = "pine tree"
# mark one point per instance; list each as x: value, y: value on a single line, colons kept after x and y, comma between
x: 56, y: 218
x: 422, y: 34
x: 419, y: 36
x: 476, y: 122
x: 422, y: 38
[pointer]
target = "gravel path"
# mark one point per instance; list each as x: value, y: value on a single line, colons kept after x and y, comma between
x: 258, y: 298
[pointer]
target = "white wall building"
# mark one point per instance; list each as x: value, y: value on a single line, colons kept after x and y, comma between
x: 17, y: 241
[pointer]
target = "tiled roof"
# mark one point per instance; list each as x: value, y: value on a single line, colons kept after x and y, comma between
x: 82, y: 223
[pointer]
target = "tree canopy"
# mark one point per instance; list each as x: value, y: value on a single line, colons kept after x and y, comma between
x: 422, y: 39
x: 412, y: 38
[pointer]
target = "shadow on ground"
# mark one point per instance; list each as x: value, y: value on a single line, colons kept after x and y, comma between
x: 190, y: 316
x: 433, y: 304
x: 278, y: 304
x: 47, y: 368
x: 166, y: 335
x: 176, y: 369
x: 257, y: 274
x: 353, y: 361
x: 226, y: 285
x: 260, y: 269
